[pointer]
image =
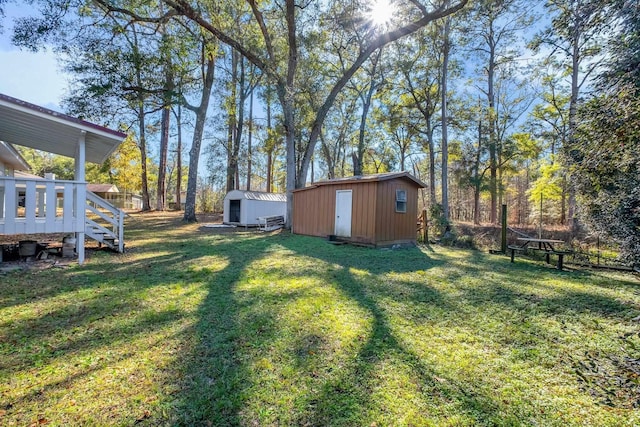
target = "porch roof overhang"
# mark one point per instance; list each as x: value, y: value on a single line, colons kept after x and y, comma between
x: 29, y: 125
x: 10, y: 156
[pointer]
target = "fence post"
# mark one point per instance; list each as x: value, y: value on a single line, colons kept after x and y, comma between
x: 503, y: 243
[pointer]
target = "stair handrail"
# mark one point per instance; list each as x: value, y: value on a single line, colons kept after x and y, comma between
x: 116, y: 219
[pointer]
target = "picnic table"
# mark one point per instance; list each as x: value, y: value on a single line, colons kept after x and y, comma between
x: 545, y: 245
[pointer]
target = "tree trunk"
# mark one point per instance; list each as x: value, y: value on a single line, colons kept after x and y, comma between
x: 270, y: 148
x: 142, y: 144
x: 142, y: 127
x: 573, y: 108
x: 167, y: 100
x: 366, y: 105
x: 286, y: 95
x: 194, y: 153
x: 179, y: 161
x: 445, y: 144
x: 161, y: 193
x: 432, y: 167
x: 249, y: 141
x: 328, y: 158
x: 493, y: 164
x: 477, y: 179
x: 232, y: 162
x: 240, y: 122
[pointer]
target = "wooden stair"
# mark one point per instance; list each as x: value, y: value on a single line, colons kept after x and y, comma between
x: 104, y: 223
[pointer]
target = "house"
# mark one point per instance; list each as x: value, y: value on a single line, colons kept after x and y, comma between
x: 30, y: 205
x: 106, y: 191
x: 245, y: 207
x: 119, y: 199
x: 11, y: 160
x: 373, y: 210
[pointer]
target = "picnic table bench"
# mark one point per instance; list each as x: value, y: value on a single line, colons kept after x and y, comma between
x: 544, y: 245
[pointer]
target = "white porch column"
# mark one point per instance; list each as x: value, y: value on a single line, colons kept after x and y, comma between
x: 80, y: 195
x: 80, y: 157
x: 1, y: 198
x: 2, y: 173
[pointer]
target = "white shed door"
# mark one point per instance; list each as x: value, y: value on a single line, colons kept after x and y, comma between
x: 343, y: 213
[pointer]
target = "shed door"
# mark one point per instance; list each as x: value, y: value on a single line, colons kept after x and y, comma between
x: 343, y: 213
x: 234, y: 210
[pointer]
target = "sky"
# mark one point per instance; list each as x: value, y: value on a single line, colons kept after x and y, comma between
x: 31, y: 77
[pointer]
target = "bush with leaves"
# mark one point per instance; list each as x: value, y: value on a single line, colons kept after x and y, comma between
x: 439, y: 223
x: 605, y: 153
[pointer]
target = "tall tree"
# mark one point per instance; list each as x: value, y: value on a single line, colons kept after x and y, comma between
x: 419, y: 68
x: 365, y: 93
x: 446, y: 51
x: 178, y: 153
x: 495, y: 29
x: 605, y: 150
x: 576, y: 38
x: 551, y: 124
x: 277, y: 55
x: 208, y: 53
x: 165, y: 123
x: 110, y: 73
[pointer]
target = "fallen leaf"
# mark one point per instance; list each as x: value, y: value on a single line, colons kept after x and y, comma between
x: 146, y: 414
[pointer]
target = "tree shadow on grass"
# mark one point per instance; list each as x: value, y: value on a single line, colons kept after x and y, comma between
x: 347, y: 397
x: 243, y: 341
x: 78, y: 313
x: 215, y: 369
x: 526, y: 285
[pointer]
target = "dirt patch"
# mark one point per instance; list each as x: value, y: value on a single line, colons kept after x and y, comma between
x: 35, y: 264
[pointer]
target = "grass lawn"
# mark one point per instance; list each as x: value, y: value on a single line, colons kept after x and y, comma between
x: 194, y: 326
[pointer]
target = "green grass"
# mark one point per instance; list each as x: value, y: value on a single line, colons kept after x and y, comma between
x: 196, y: 327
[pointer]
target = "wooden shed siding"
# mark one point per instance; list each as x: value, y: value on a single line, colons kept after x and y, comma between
x: 314, y: 210
x: 363, y: 213
x: 374, y: 220
x: 394, y: 226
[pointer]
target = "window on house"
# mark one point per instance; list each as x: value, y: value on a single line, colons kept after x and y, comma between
x: 401, y: 201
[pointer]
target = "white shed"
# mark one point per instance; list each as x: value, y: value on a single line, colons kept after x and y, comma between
x: 245, y: 207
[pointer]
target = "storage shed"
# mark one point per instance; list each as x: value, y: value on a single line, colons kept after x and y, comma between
x: 245, y: 207
x: 375, y: 210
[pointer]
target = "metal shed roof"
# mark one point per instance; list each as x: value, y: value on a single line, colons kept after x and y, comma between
x: 256, y: 195
x: 369, y: 178
x: 29, y: 125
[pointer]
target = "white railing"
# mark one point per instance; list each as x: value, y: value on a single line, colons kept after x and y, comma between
x: 104, y: 222
x: 40, y: 206
x: 34, y: 206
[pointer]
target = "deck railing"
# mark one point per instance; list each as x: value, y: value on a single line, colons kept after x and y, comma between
x: 34, y: 206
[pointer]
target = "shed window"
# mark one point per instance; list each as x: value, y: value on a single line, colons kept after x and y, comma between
x: 401, y: 201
